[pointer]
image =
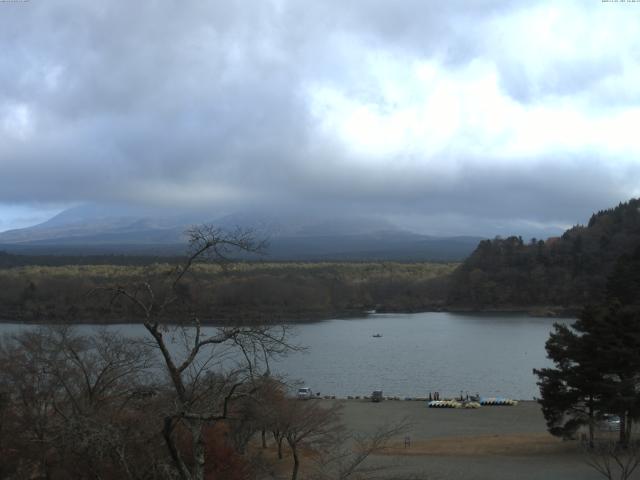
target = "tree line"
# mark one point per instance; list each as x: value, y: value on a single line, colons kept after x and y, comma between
x: 566, y: 271
x: 239, y: 292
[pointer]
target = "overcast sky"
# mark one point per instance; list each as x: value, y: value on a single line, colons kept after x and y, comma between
x: 477, y: 117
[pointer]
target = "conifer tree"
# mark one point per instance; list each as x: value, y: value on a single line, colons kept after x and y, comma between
x: 597, y: 360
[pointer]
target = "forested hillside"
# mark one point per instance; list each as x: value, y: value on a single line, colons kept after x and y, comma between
x: 505, y: 274
x: 560, y: 272
x: 241, y: 292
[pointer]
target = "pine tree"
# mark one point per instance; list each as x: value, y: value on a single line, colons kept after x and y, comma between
x: 571, y: 393
x: 597, y: 361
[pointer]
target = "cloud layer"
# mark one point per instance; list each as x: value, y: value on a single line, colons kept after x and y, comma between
x: 485, y: 115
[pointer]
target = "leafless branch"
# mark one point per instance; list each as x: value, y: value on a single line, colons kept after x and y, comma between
x: 612, y: 460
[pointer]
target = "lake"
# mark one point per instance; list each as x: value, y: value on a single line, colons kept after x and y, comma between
x: 418, y: 353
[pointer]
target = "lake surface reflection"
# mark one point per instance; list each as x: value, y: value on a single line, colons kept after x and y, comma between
x: 490, y: 354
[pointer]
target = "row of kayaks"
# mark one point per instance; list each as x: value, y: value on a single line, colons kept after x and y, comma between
x: 483, y: 401
x: 452, y: 404
x: 498, y: 401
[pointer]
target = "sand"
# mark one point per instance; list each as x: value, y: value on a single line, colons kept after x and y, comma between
x: 506, y: 442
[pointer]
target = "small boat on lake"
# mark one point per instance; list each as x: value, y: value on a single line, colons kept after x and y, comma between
x: 376, y: 335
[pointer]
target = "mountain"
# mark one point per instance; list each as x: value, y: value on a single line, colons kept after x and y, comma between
x: 567, y: 271
x: 105, y: 224
x: 99, y: 229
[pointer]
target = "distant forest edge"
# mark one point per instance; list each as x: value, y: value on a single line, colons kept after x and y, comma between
x: 547, y: 277
x: 241, y: 293
x: 563, y: 273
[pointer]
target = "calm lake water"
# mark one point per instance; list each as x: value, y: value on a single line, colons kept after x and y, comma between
x: 490, y: 354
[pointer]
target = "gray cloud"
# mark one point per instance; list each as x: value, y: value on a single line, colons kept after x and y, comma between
x: 160, y: 103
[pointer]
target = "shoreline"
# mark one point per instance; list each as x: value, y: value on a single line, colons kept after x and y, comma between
x: 532, y: 311
x: 250, y: 318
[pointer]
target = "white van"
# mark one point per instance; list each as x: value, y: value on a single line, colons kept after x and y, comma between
x: 305, y: 393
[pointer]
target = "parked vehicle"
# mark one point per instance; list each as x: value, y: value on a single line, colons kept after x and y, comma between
x: 610, y: 423
x: 377, y: 396
x: 305, y: 393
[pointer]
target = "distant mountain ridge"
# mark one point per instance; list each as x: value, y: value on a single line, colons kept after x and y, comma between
x: 97, y: 229
x: 567, y: 271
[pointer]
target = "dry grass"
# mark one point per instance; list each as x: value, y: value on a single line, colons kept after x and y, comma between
x: 355, y: 270
x: 510, y: 444
x: 281, y: 468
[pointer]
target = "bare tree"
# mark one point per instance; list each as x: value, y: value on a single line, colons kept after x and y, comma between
x: 612, y: 459
x: 72, y: 406
x: 268, y: 406
x: 200, y: 397
x: 30, y: 396
x: 306, y: 424
x: 349, y: 452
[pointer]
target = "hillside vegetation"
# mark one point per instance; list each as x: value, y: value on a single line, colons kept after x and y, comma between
x: 558, y: 274
x: 566, y: 272
x: 240, y: 292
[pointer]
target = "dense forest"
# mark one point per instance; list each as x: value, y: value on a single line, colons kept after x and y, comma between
x: 237, y: 293
x: 565, y: 272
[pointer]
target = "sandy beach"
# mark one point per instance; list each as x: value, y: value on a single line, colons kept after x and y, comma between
x: 495, y: 443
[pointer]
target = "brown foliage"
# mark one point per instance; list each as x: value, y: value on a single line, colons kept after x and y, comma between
x: 223, y: 461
